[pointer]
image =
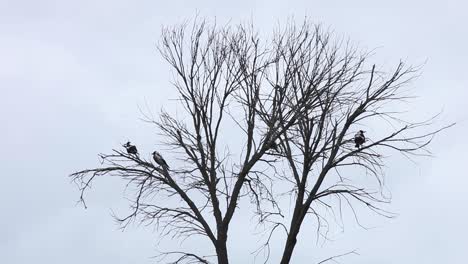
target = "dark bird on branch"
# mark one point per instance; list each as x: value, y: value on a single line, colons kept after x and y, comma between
x: 131, y: 149
x: 359, y: 138
x: 160, y: 160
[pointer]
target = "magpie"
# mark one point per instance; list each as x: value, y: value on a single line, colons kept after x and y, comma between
x: 160, y: 160
x: 359, y: 138
x: 131, y: 149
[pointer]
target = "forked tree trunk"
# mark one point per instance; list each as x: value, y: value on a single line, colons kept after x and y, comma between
x: 221, y: 248
x: 289, y: 248
x: 292, y: 238
x: 222, y: 255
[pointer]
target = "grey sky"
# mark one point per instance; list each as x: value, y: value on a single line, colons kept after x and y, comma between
x: 72, y: 74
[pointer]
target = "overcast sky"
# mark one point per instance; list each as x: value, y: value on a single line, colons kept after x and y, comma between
x: 73, y: 73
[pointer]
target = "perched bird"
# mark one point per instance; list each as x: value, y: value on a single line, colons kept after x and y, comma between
x: 131, y: 149
x: 359, y: 138
x: 160, y: 160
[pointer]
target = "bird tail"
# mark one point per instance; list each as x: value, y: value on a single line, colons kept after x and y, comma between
x: 357, y: 145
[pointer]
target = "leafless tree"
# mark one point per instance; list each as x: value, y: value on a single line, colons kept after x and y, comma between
x: 297, y: 99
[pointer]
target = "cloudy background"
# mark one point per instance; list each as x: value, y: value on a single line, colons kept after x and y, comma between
x: 73, y: 73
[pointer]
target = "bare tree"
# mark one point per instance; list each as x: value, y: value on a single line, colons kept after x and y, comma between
x: 297, y: 100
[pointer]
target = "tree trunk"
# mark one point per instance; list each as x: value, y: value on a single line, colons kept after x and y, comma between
x: 222, y: 255
x: 289, y: 247
x: 291, y: 241
x: 221, y: 248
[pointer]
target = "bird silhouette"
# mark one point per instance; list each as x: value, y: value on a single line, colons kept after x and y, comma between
x: 160, y: 160
x: 359, y: 138
x: 131, y: 149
